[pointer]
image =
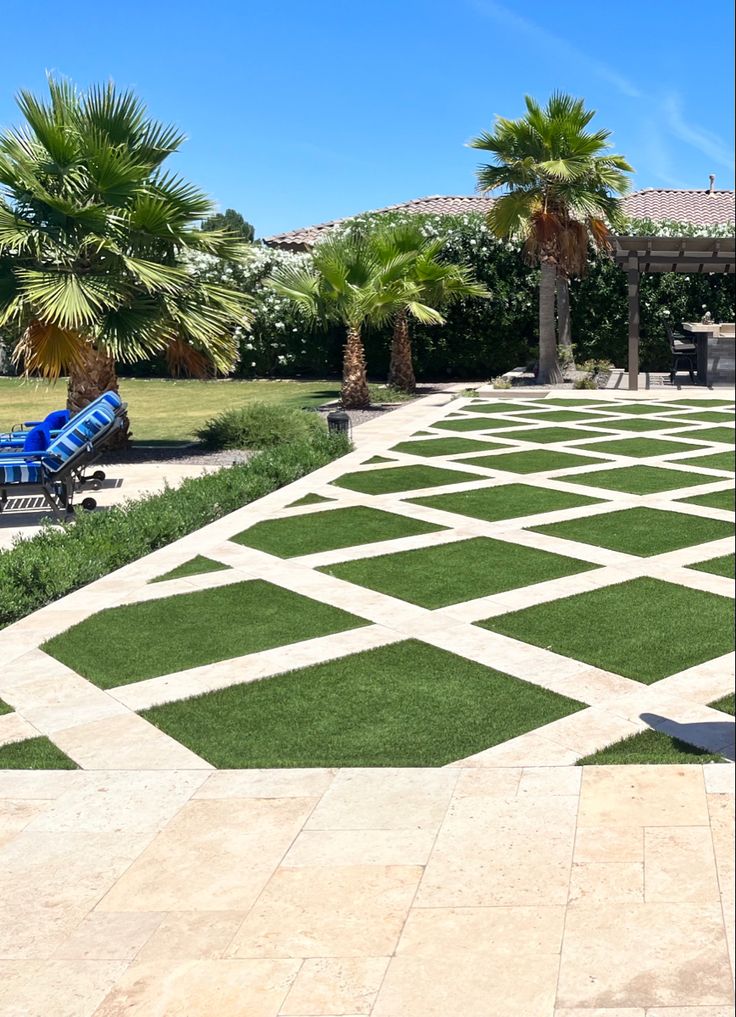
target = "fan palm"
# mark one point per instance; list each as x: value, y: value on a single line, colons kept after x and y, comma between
x: 93, y: 239
x: 563, y: 191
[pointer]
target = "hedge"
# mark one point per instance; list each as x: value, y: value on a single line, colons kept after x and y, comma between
x: 59, y: 560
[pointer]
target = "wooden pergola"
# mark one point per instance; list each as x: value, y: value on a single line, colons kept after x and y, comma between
x: 665, y: 254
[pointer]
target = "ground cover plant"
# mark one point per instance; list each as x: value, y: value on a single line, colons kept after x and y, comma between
x: 722, y: 566
x: 716, y: 499
x: 642, y: 448
x: 475, y: 424
x: 196, y: 566
x: 556, y: 435
x: 407, y: 704
x: 713, y: 416
x: 645, y: 424
x: 726, y: 705
x: 644, y: 629
x: 705, y: 402
x: 638, y: 479
x: 445, y: 446
x: 566, y: 416
x: 462, y: 570
x: 636, y: 408
x: 499, y: 407
x: 34, y: 754
x: 641, y: 531
x: 537, y: 461
x: 137, y: 641
x: 717, y: 461
x: 325, y: 531
x: 506, y: 501
x: 403, y: 478
x: 649, y: 747
x: 726, y: 435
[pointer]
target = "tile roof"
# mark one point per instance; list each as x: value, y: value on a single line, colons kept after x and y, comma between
x: 701, y: 208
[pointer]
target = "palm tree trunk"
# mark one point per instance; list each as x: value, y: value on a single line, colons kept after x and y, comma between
x: 564, y: 322
x: 355, y: 394
x: 401, y: 369
x: 548, y: 371
x: 94, y: 374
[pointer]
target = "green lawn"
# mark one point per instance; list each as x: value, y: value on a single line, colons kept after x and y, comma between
x: 325, y: 531
x: 561, y: 416
x: 723, y: 566
x: 643, y: 408
x: 644, y: 629
x: 403, y: 478
x: 641, y: 531
x: 408, y: 704
x: 309, y: 499
x: 553, y: 435
x: 538, y: 461
x: 717, y: 461
x: 164, y: 409
x: 137, y: 641
x: 705, y: 402
x: 645, y: 424
x: 34, y: 754
x: 475, y: 424
x: 4, y: 708
x: 639, y: 479
x: 507, y: 501
x: 716, y: 499
x: 196, y: 566
x: 445, y: 446
x: 713, y: 416
x: 649, y: 747
x: 642, y: 448
x: 725, y: 705
x: 508, y: 407
x: 725, y: 435
x: 449, y: 573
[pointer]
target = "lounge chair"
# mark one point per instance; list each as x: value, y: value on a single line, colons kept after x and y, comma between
x: 15, y: 438
x: 54, y: 467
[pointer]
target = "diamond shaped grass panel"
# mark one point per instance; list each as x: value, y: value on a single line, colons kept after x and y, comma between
x: 644, y: 629
x: 705, y: 402
x: 34, y: 754
x: 581, y: 404
x: 554, y: 435
x: 308, y: 499
x: 507, y: 501
x: 196, y: 566
x: 536, y: 461
x: 641, y: 531
x: 325, y: 531
x: 645, y: 424
x: 450, y: 573
x: 407, y: 704
x: 638, y: 479
x: 723, y: 416
x: 475, y: 424
x: 4, y: 708
x: 649, y: 747
x: 561, y: 416
x: 445, y: 446
x: 507, y: 407
x: 642, y: 448
x: 717, y: 461
x: 643, y: 408
x: 726, y: 705
x: 724, y: 566
x: 403, y: 478
x: 374, y: 460
x: 137, y: 641
x: 716, y: 499
x: 726, y: 435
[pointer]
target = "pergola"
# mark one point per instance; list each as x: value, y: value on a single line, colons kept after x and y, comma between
x: 665, y: 254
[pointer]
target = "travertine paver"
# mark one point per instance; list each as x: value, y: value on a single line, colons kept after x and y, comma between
x: 510, y: 892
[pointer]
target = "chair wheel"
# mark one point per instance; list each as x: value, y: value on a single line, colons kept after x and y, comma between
x: 89, y: 504
x: 98, y: 475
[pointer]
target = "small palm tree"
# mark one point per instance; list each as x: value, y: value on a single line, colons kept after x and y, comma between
x: 93, y: 238
x: 563, y: 191
x: 433, y: 284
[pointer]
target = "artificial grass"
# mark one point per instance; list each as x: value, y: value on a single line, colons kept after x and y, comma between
x: 450, y: 573
x: 4, y: 708
x: 308, y: 499
x: 649, y: 747
x: 723, y: 566
x: 644, y: 629
x: 137, y: 641
x: 507, y: 501
x: 645, y: 424
x: 560, y: 416
x: 638, y: 479
x: 194, y: 567
x: 642, y: 408
x: 642, y: 448
x: 325, y: 531
x: 537, y: 461
x: 726, y: 705
x: 515, y: 407
x: 641, y: 531
x: 717, y: 461
x: 445, y: 446
x: 475, y: 424
x: 552, y: 435
x: 407, y: 704
x: 34, y: 754
x: 377, y: 459
x: 716, y: 499
x: 402, y: 478
x: 712, y: 416
x: 725, y: 435
x: 705, y: 402
x: 581, y: 404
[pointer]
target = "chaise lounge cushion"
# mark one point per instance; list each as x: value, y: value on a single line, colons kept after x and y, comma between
x: 20, y: 471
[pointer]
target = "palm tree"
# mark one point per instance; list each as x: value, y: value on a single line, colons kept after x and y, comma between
x: 431, y: 284
x: 563, y: 191
x: 93, y: 235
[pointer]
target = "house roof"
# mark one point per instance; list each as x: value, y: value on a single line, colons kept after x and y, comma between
x: 701, y: 208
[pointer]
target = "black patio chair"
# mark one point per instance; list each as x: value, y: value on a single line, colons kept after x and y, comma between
x: 684, y: 354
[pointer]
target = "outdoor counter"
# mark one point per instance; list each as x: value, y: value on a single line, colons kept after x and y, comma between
x: 716, y: 346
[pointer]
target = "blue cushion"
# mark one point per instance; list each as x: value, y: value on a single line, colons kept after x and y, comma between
x: 37, y: 439
x: 20, y: 471
x: 57, y: 419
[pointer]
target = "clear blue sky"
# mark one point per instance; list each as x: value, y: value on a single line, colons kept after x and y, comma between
x: 298, y: 112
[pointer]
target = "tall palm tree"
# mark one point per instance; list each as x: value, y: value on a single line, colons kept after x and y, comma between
x: 563, y: 191
x: 432, y: 284
x: 93, y: 235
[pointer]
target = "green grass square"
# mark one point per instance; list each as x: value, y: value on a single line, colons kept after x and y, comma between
x: 326, y: 531
x: 726, y: 435
x: 554, y: 435
x: 717, y: 461
x: 450, y: 573
x: 136, y: 641
x: 445, y: 446
x: 716, y: 499
x: 726, y: 705
x: 375, y: 460
x: 506, y: 407
x: 641, y: 531
x: 645, y: 424
x: 475, y: 424
x: 581, y: 404
x: 644, y: 629
x: 308, y: 499
x: 402, y: 478
x: 724, y: 566
x: 507, y: 501
x: 196, y: 566
x: 561, y: 416
x: 641, y: 408
x: 713, y: 416
x: 706, y: 402
x: 536, y: 461
x: 649, y: 748
x: 407, y: 704
x: 642, y: 448
x: 4, y: 708
x: 638, y: 479
x: 34, y: 754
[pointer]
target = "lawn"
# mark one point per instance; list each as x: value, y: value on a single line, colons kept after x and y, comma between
x: 196, y: 566
x: 445, y: 446
x: 34, y: 754
x: 646, y: 424
x: 649, y: 747
x: 722, y: 435
x: 724, y: 566
x: 407, y: 704
x: 403, y: 478
x: 642, y: 448
x: 165, y: 409
x: 554, y: 435
x: 507, y: 501
x: 538, y: 461
x: 4, y: 708
x: 644, y: 629
x: 716, y: 499
x: 639, y: 479
x: 718, y: 461
x: 725, y: 705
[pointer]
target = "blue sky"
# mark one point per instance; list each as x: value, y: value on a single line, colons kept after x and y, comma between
x: 301, y: 112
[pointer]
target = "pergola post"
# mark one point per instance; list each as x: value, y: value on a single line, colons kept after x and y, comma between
x: 633, y: 276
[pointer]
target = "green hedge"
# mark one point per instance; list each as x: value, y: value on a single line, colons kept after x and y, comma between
x: 59, y: 560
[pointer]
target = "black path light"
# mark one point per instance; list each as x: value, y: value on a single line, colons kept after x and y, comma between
x: 338, y: 422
